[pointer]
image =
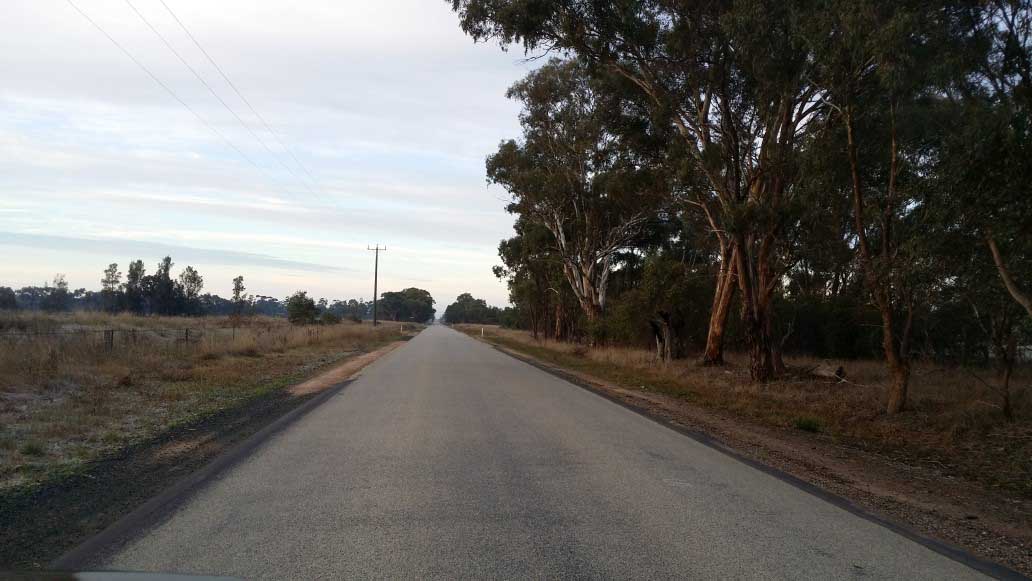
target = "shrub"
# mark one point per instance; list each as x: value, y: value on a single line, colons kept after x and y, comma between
x: 330, y: 318
x: 807, y: 424
x: 301, y: 309
x: 32, y: 449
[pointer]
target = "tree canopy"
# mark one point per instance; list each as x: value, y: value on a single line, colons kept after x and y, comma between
x: 855, y: 173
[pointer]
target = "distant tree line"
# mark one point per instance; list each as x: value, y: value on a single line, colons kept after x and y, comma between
x: 467, y: 309
x: 162, y: 293
x: 848, y: 178
x: 412, y: 304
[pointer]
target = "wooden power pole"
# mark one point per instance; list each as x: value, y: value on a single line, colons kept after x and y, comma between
x: 376, y: 276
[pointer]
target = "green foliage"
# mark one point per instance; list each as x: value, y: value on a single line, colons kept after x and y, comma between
x: 807, y: 424
x: 411, y: 304
x: 467, y: 309
x: 301, y: 309
x: 329, y: 318
x: 8, y: 300
x: 56, y: 298
x: 667, y: 290
x: 32, y: 448
x: 581, y: 173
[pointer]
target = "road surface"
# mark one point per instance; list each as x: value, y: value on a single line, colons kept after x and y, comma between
x: 448, y: 459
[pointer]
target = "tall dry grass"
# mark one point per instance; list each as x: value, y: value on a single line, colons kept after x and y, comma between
x: 955, y: 416
x: 67, y: 394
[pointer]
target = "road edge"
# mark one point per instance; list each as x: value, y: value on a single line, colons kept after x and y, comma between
x: 958, y: 554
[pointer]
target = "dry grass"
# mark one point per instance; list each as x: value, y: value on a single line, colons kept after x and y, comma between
x: 68, y: 396
x: 954, y: 418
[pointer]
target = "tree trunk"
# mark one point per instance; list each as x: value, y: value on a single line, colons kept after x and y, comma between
x: 761, y: 348
x: 897, y: 355
x: 657, y: 335
x: 1005, y: 344
x: 900, y: 375
x: 755, y: 314
x: 558, y: 321
x: 722, y: 297
x: 592, y: 311
x: 664, y: 332
x: 1016, y: 293
x: 896, y: 345
x: 1007, y: 407
x: 777, y: 363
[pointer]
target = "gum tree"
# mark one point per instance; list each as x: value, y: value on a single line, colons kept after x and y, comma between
x: 883, y: 69
x: 732, y: 81
x: 573, y: 173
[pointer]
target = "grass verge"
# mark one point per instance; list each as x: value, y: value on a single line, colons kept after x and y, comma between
x: 70, y: 395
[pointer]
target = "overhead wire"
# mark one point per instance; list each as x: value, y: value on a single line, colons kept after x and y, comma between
x: 164, y: 86
x: 239, y: 94
x: 215, y: 94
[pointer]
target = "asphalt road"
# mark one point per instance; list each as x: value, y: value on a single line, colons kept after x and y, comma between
x: 448, y: 459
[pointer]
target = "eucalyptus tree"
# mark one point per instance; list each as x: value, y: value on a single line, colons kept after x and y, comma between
x: 988, y: 161
x: 189, y: 286
x: 884, y: 69
x: 575, y: 173
x: 534, y: 275
x: 135, y: 280
x: 110, y: 284
x: 732, y: 80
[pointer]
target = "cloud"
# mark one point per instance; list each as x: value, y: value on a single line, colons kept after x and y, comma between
x: 154, y: 250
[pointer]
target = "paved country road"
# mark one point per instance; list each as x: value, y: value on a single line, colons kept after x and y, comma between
x: 448, y: 459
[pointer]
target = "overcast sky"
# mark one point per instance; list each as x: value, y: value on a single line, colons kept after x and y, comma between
x: 386, y: 103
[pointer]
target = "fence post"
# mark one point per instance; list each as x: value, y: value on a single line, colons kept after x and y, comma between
x: 109, y: 339
x: 186, y: 337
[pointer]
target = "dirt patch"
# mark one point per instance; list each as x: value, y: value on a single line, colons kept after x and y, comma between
x: 341, y: 372
x: 993, y: 524
x: 41, y: 522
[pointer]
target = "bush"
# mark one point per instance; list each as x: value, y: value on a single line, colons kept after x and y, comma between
x: 330, y: 318
x: 301, y: 309
x: 32, y: 449
x: 807, y: 424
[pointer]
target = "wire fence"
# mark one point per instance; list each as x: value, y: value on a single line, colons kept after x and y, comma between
x: 112, y: 339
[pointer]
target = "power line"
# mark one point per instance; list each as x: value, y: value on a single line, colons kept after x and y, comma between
x: 164, y: 86
x: 225, y: 77
x: 211, y: 90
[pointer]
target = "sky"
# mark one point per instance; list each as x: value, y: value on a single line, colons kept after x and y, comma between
x: 382, y: 114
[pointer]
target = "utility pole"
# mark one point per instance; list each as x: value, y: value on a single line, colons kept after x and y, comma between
x: 376, y: 276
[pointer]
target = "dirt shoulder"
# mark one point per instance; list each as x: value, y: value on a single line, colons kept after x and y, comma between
x: 992, y: 524
x: 42, y: 522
